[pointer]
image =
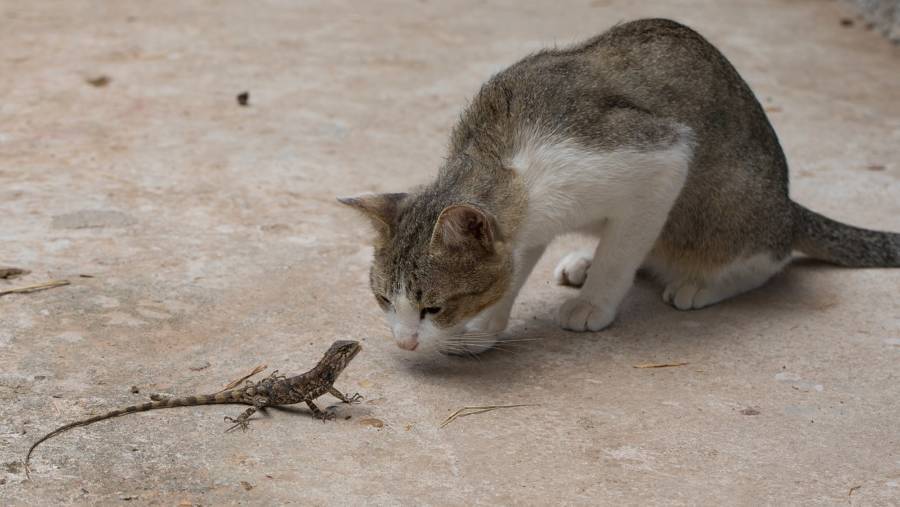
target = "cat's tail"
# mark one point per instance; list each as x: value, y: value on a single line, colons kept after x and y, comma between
x: 829, y: 240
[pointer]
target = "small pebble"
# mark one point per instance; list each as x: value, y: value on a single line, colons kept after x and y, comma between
x: 99, y: 81
x: 243, y: 99
x: 135, y: 390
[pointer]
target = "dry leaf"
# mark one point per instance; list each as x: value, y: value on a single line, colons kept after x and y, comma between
x: 7, y: 272
x: 371, y: 421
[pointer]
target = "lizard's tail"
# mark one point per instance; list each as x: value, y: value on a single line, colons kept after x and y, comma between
x: 232, y: 396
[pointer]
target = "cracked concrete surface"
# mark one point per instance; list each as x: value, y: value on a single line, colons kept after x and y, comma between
x: 213, y: 243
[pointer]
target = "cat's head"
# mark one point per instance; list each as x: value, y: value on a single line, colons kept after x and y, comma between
x: 439, y: 272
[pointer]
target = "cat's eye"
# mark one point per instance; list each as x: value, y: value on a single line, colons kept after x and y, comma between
x: 382, y: 300
x: 433, y: 310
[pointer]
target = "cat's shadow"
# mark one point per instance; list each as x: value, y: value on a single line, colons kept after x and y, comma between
x: 647, y: 329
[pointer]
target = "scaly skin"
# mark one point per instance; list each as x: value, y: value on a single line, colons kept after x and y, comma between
x: 271, y: 391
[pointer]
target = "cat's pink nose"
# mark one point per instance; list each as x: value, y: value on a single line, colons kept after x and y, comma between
x: 410, y: 343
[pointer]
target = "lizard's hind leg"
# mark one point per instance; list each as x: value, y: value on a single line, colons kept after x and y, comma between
x: 319, y: 413
x: 242, y: 421
x: 356, y: 398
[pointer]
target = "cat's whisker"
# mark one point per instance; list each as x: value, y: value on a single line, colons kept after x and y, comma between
x: 477, y: 334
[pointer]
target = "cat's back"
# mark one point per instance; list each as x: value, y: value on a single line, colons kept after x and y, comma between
x: 646, y: 68
x: 656, y: 65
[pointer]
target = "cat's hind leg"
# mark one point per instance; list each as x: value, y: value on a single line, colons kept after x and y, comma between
x: 735, y: 278
x: 573, y: 268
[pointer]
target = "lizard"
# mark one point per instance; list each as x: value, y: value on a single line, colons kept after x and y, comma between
x: 275, y: 390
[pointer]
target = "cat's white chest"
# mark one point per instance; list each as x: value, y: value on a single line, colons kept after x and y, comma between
x: 571, y: 188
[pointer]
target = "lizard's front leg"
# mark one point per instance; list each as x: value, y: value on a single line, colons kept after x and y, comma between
x: 319, y: 413
x: 356, y: 398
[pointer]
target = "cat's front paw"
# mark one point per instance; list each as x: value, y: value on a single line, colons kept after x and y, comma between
x: 579, y: 314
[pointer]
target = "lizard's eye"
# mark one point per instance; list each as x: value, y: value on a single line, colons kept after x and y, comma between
x: 433, y: 310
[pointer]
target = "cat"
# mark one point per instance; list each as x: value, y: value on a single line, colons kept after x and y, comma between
x: 645, y: 137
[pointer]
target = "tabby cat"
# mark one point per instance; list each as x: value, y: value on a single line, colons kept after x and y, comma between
x: 644, y: 137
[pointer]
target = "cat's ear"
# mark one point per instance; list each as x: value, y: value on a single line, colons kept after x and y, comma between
x: 463, y: 226
x: 381, y: 209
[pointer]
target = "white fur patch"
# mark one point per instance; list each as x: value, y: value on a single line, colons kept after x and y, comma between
x: 411, y: 331
x: 736, y: 278
x: 404, y: 320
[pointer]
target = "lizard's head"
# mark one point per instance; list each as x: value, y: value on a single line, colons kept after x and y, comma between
x: 341, y: 353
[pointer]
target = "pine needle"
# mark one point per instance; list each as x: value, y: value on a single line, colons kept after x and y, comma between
x: 658, y: 365
x: 237, y: 382
x: 466, y: 411
x: 34, y: 288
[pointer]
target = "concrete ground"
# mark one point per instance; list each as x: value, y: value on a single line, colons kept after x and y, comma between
x: 213, y: 243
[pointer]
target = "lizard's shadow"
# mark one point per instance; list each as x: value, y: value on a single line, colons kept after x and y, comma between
x: 340, y: 409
